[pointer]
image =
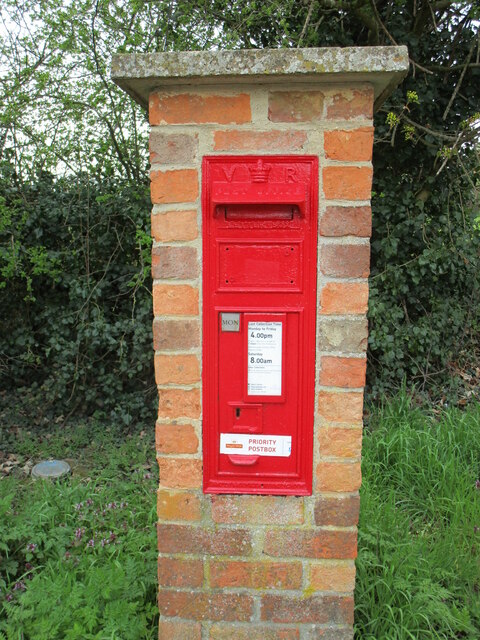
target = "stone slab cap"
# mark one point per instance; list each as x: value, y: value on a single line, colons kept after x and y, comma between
x: 140, y: 74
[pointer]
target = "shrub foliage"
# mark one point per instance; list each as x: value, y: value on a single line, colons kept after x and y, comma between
x: 75, y: 315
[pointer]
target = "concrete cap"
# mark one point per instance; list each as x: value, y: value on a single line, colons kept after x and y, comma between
x: 140, y: 74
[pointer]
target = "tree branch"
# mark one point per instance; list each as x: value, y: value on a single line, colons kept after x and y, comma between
x: 460, y: 80
x: 306, y: 23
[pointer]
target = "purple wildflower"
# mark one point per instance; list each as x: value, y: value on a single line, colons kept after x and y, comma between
x: 28, y: 566
x: 79, y: 506
x: 19, y: 586
x: 9, y: 597
x: 79, y: 533
x: 89, y: 502
x: 31, y: 546
x: 91, y: 543
x: 477, y: 484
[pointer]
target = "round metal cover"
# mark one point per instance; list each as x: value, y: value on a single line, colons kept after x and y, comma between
x: 50, y: 469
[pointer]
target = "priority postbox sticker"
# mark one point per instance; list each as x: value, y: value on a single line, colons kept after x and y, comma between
x: 255, y: 445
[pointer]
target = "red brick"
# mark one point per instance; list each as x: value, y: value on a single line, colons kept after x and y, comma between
x: 353, y: 146
x: 178, y: 403
x: 178, y: 505
x: 174, y: 572
x: 176, y: 369
x: 295, y: 106
x: 177, y: 538
x: 257, y: 509
x: 185, y: 108
x: 175, y: 334
x: 347, y: 183
x: 337, y: 512
x: 316, y: 609
x: 178, y: 630
x: 255, y: 575
x: 251, y: 632
x: 180, y: 473
x: 176, y: 438
x: 340, y: 442
x: 342, y: 372
x: 340, y: 407
x: 178, y: 185
x: 344, y: 298
x: 174, y: 226
x: 175, y: 300
x: 349, y: 104
x: 234, y: 140
x: 318, y: 543
x: 332, y: 576
x: 345, y: 260
x: 205, y: 606
x: 339, y: 476
x: 346, y: 221
x: 173, y: 148
x: 174, y: 263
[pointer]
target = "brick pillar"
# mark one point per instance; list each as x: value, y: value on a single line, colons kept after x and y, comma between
x: 249, y: 567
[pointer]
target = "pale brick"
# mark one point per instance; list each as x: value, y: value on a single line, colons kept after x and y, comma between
x: 257, y: 509
x: 173, y: 148
x: 175, y: 334
x: 174, y: 263
x: 343, y: 334
x: 295, y: 106
x: 234, y: 140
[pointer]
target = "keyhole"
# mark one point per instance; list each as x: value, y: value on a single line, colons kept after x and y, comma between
x: 237, y: 412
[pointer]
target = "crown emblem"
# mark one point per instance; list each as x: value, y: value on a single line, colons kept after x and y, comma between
x: 259, y: 172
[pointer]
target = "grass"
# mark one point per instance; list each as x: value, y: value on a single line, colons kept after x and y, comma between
x: 78, y: 559
x: 78, y: 556
x: 418, y: 570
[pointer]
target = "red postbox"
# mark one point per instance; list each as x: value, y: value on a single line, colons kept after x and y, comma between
x: 259, y: 311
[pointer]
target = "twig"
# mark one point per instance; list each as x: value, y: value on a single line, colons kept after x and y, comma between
x: 306, y: 23
x: 447, y: 158
x: 462, y: 75
x: 384, y: 28
x: 433, y: 17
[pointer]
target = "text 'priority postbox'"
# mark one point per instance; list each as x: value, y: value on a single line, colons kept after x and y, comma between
x: 259, y: 311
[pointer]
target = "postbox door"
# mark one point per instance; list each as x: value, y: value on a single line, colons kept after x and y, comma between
x: 259, y: 301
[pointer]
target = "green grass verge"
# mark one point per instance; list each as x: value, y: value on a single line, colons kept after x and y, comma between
x: 418, y: 569
x: 78, y: 556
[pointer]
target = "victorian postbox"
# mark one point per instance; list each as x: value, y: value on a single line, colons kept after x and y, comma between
x: 259, y: 312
